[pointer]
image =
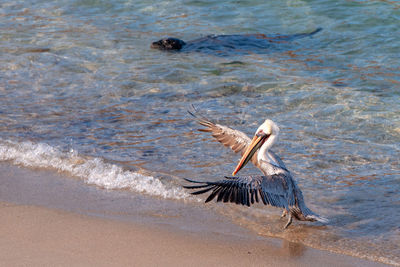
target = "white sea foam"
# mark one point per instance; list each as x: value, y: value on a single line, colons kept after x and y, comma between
x: 92, y: 170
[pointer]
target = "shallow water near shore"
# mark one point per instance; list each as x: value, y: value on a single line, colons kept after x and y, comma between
x: 81, y: 92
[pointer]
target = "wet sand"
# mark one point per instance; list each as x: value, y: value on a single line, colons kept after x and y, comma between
x: 44, y: 224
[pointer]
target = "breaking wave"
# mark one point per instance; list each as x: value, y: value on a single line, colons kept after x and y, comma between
x: 93, y: 171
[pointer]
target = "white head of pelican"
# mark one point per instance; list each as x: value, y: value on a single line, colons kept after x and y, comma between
x: 264, y: 138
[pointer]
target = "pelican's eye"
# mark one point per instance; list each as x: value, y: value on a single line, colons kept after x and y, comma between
x: 260, y: 133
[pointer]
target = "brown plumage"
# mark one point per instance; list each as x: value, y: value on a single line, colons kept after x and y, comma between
x: 234, y: 139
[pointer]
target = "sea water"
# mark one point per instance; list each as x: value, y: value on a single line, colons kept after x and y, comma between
x: 82, y: 92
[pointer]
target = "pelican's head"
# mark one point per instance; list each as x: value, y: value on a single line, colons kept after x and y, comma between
x: 268, y: 128
x: 265, y: 136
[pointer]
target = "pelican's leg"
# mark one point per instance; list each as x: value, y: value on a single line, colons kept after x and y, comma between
x: 284, y: 213
x: 289, y: 221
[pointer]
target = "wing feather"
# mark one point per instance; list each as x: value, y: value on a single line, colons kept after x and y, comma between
x: 202, y: 191
x: 234, y: 197
x: 263, y: 198
x: 234, y: 139
x: 222, y: 193
x: 228, y: 194
x: 252, y: 196
x: 244, y: 190
x: 213, y: 194
x: 256, y: 194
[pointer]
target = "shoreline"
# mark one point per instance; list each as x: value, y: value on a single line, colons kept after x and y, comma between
x: 50, y: 219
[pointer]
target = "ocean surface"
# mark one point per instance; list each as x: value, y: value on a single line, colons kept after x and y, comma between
x: 82, y: 92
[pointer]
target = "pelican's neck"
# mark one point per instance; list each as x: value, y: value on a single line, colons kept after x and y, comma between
x: 263, y: 155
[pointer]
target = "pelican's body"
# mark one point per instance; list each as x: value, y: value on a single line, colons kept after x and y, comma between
x: 275, y: 187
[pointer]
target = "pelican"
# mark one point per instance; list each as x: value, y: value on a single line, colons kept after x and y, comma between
x: 276, y: 187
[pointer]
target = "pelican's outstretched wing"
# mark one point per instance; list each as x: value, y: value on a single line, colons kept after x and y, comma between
x: 278, y: 190
x: 236, y: 140
x: 271, y: 190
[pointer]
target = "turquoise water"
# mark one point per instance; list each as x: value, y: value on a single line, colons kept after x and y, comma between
x: 82, y: 92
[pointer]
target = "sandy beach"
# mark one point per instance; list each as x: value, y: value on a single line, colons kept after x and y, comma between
x: 96, y: 140
x: 37, y: 234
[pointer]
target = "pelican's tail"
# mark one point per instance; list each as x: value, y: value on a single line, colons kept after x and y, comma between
x: 318, y: 218
x: 303, y: 213
x: 309, y: 215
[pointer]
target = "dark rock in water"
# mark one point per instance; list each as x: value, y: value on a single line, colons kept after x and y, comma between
x: 240, y: 42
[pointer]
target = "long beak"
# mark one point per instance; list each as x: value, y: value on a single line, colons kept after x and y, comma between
x: 256, y: 143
